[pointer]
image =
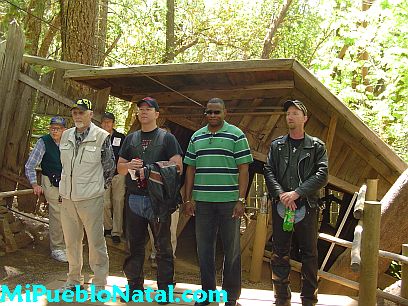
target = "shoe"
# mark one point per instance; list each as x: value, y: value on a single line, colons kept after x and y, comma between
x: 59, y: 255
x: 70, y: 286
x: 153, y: 263
x: 107, y: 232
x: 232, y: 303
x: 116, y: 239
x: 280, y: 302
x: 204, y: 303
x: 131, y: 289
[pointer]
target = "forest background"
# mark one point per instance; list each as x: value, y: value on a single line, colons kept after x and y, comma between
x: 357, y: 48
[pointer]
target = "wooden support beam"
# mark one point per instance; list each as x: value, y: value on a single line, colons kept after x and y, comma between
x: 45, y: 90
x: 230, y: 114
x: 184, y: 69
x: 342, y: 184
x: 36, y: 60
x: 330, y: 134
x: 358, y: 208
x: 404, y: 273
x: 270, y: 125
x: 215, y: 89
x: 370, y: 241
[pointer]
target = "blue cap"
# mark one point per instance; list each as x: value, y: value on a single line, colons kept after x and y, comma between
x: 149, y: 101
x: 58, y: 120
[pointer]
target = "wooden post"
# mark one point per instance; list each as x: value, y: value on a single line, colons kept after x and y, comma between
x: 259, y: 243
x: 371, y: 194
x: 404, y: 274
x: 370, y: 242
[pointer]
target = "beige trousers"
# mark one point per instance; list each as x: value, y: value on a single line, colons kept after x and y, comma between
x: 173, y: 231
x: 51, y: 194
x: 113, y: 203
x: 75, y: 216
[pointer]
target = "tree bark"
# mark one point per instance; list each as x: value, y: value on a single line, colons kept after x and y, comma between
x: 269, y: 41
x: 170, y: 38
x: 49, y: 36
x: 102, y: 29
x: 33, y: 25
x: 78, y: 36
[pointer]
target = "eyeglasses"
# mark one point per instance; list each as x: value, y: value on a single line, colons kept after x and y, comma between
x: 210, y: 112
x: 55, y: 129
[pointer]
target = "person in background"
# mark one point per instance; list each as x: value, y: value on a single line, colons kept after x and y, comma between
x: 88, y: 165
x: 46, y: 152
x: 296, y: 169
x: 114, y: 197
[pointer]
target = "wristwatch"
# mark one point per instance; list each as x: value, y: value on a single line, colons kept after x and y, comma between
x: 242, y: 200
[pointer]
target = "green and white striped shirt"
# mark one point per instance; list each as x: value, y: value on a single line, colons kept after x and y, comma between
x: 216, y: 157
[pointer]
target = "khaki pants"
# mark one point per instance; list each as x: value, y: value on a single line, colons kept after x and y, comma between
x: 113, y: 203
x: 75, y: 216
x: 51, y: 194
x: 173, y: 232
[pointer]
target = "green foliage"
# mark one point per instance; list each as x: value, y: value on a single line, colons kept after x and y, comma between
x: 327, y: 36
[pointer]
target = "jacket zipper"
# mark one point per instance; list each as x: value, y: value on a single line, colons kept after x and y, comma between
x: 300, y: 179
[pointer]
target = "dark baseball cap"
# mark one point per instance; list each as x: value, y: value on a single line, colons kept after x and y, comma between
x: 57, y: 120
x: 149, y: 101
x: 108, y: 115
x: 83, y: 104
x: 298, y: 104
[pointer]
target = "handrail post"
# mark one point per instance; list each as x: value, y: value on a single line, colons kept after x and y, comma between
x: 370, y: 242
x: 404, y: 274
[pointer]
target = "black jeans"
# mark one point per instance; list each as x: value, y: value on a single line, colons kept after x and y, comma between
x: 210, y: 218
x: 306, y: 234
x: 136, y: 233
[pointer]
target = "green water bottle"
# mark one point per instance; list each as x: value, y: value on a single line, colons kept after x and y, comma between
x: 289, y: 220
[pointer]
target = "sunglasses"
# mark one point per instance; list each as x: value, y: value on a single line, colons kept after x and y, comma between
x: 210, y: 112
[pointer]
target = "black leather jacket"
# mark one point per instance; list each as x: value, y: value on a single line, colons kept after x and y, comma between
x: 312, y: 168
x: 163, y: 185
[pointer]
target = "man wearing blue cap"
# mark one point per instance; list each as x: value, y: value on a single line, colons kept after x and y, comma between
x: 46, y: 152
x: 296, y: 169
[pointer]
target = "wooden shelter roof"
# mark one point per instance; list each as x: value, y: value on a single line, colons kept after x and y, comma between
x: 254, y: 92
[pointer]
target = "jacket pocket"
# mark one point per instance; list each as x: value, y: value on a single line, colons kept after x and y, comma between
x: 87, y: 186
x: 90, y: 154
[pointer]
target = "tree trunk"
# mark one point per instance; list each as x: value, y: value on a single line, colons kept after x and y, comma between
x: 78, y: 37
x: 33, y: 25
x: 393, y: 233
x: 102, y: 29
x: 269, y: 41
x: 49, y: 36
x: 170, y: 39
x: 78, y: 31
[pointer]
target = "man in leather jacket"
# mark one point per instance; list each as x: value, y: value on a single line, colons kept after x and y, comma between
x: 295, y: 170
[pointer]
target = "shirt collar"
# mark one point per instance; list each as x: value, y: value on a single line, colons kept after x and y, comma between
x: 224, y: 128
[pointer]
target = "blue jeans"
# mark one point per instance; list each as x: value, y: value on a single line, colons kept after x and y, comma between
x: 210, y: 218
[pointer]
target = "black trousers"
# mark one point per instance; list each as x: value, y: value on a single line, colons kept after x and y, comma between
x: 306, y: 235
x: 137, y: 234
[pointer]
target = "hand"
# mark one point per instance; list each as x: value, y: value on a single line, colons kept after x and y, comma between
x: 238, y: 211
x: 189, y: 208
x: 37, y: 189
x: 135, y: 164
x: 289, y: 198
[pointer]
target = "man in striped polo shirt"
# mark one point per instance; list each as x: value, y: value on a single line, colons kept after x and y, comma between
x: 216, y: 183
